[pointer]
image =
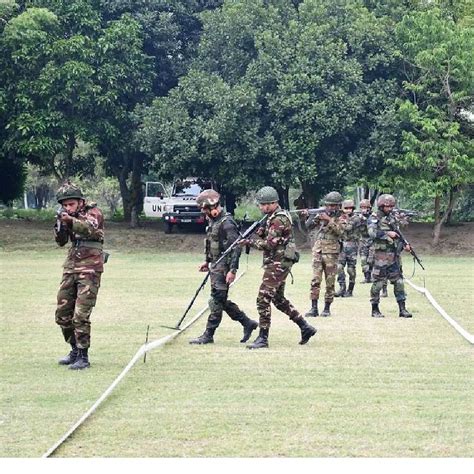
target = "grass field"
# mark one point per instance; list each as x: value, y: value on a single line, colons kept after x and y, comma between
x: 360, y: 388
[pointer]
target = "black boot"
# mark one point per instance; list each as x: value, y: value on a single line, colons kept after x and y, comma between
x: 326, y: 311
x: 368, y: 278
x: 307, y: 331
x: 384, y: 291
x: 342, y: 291
x: 349, y: 291
x: 376, y: 311
x: 72, y: 356
x: 313, y: 312
x: 403, y: 311
x: 249, y: 326
x: 82, y: 361
x: 205, y: 338
x: 261, y: 341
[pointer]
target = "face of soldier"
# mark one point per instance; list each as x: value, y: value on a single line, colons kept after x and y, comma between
x: 348, y: 210
x: 268, y: 207
x: 365, y: 210
x: 211, y: 212
x: 71, y: 205
x: 332, y: 207
x: 387, y: 209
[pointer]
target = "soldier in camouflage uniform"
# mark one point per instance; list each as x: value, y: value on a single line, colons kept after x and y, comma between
x: 350, y: 246
x: 279, y: 254
x: 365, y: 242
x: 325, y: 231
x: 222, y: 232
x: 83, y: 225
x: 387, y: 265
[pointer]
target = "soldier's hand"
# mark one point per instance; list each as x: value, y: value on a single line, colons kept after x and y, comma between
x: 260, y: 231
x: 304, y: 212
x: 204, y: 267
x: 324, y: 217
x: 65, y: 218
x: 392, y: 234
x: 244, y: 242
x: 407, y: 248
x: 229, y: 278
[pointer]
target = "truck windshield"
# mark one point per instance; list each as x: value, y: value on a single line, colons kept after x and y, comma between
x: 190, y: 188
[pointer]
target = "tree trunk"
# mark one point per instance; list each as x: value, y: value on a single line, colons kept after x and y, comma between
x: 136, y: 190
x: 283, y: 194
x: 230, y: 202
x: 310, y: 193
x: 440, y: 221
x: 126, y: 196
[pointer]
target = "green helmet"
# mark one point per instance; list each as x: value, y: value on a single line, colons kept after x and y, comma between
x: 348, y: 203
x: 365, y: 203
x: 333, y: 198
x: 208, y: 198
x: 68, y: 191
x: 385, y: 200
x: 266, y: 195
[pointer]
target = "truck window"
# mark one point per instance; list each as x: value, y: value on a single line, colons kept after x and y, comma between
x: 155, y: 190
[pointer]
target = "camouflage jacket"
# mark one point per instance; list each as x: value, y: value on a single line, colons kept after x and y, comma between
x: 86, y: 234
x: 378, y: 226
x: 276, y: 240
x: 354, y: 227
x: 222, y: 232
x: 325, y: 235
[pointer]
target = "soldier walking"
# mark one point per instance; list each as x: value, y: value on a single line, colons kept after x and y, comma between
x: 326, y: 229
x: 349, y: 249
x: 387, y: 264
x: 83, y: 225
x: 222, y: 232
x: 279, y: 254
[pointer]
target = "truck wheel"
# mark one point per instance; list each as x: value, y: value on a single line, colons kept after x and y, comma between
x: 168, y: 228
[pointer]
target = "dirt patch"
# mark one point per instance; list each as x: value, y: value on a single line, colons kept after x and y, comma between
x: 17, y: 234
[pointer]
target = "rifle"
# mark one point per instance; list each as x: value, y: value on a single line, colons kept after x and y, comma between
x: 59, y: 224
x: 316, y: 211
x: 244, y: 236
x: 405, y: 242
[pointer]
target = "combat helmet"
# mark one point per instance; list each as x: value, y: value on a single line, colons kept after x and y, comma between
x: 69, y: 191
x: 365, y: 203
x: 385, y: 200
x: 348, y: 203
x: 266, y: 195
x: 333, y: 198
x: 208, y: 198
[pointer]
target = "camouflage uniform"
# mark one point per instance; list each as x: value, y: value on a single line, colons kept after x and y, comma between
x: 222, y: 231
x: 82, y: 272
x: 365, y: 244
x: 387, y: 261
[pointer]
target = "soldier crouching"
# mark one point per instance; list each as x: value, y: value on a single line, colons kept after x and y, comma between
x: 83, y: 225
x: 279, y: 254
x: 222, y: 232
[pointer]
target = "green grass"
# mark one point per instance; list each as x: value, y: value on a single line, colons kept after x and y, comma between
x: 361, y: 387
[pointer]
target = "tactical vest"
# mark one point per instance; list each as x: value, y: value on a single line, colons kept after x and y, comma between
x: 381, y: 222
x: 215, y: 237
x: 286, y: 251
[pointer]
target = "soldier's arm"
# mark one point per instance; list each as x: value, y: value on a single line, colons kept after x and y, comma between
x: 61, y: 236
x: 336, y: 226
x: 275, y: 234
x: 312, y: 221
x: 90, y: 226
x: 375, y: 232
x: 231, y: 234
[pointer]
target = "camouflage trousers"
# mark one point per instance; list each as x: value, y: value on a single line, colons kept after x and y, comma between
x: 272, y: 290
x: 218, y: 302
x: 348, y: 257
x: 324, y: 263
x: 387, y: 266
x: 366, y: 253
x: 77, y: 296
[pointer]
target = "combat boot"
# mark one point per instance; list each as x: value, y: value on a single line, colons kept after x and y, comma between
x: 313, y: 312
x: 249, y: 326
x: 326, y: 311
x: 72, y: 356
x: 403, y: 311
x: 368, y: 278
x: 342, y: 291
x: 307, y: 331
x: 261, y: 341
x: 205, y: 338
x: 349, y: 291
x: 82, y: 361
x: 376, y: 311
x: 384, y: 291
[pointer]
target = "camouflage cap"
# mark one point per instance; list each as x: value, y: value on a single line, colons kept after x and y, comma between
x: 385, y: 200
x: 208, y: 198
x: 69, y: 191
x: 348, y: 203
x: 365, y: 203
x: 333, y: 198
x: 266, y: 195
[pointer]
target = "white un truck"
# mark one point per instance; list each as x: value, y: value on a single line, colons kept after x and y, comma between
x: 180, y: 207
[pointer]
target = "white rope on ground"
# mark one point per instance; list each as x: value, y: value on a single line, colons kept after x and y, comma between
x: 469, y: 337
x: 141, y: 351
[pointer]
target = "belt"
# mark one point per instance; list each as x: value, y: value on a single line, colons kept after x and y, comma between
x: 95, y: 244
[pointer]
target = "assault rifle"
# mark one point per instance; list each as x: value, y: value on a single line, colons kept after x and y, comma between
x: 316, y: 211
x: 253, y: 228
x: 404, y: 242
x: 59, y: 223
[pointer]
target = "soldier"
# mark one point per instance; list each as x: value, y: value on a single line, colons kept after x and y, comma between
x: 326, y: 229
x: 279, y: 254
x: 365, y: 242
x: 387, y: 265
x: 350, y: 245
x: 222, y: 231
x: 83, y: 225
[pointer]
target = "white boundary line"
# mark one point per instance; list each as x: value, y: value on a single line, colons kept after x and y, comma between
x: 141, y: 351
x: 469, y: 337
